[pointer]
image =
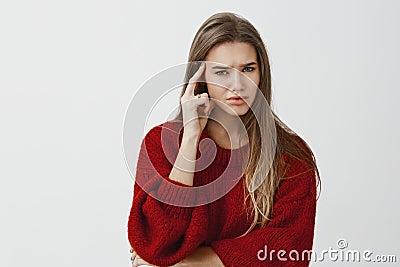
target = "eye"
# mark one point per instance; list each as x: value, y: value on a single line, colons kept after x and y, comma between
x: 221, y: 72
x: 248, y: 69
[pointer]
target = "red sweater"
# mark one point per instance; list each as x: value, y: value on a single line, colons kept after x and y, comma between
x: 164, y: 234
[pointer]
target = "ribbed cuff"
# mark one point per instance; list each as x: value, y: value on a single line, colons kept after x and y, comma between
x: 177, y: 198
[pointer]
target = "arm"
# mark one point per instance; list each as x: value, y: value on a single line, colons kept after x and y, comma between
x: 160, y: 233
x: 291, y: 228
x: 202, y: 256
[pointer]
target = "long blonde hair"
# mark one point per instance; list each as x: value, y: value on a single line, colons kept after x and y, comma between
x: 229, y: 27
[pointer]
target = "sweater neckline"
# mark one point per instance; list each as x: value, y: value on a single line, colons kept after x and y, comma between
x: 205, y: 134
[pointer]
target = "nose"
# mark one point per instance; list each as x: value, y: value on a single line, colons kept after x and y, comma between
x: 236, y: 81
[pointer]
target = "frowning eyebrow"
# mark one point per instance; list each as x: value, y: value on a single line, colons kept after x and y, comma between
x: 226, y: 67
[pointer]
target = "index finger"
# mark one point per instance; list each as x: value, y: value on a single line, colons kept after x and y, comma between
x: 195, y: 78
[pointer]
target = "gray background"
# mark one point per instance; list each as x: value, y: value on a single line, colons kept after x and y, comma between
x: 68, y: 70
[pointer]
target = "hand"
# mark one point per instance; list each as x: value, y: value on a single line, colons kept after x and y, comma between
x: 138, y: 261
x: 202, y: 256
x: 195, y: 106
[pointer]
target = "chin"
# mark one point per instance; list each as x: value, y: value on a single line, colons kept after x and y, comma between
x: 238, y: 111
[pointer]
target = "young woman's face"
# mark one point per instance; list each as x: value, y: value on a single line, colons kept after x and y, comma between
x: 232, y: 71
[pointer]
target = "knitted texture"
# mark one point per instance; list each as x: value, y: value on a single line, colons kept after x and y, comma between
x: 163, y: 234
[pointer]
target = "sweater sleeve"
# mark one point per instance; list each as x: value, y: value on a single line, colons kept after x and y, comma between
x: 291, y: 228
x: 162, y: 234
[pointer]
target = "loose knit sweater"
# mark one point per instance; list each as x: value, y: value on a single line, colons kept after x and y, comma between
x: 165, y: 227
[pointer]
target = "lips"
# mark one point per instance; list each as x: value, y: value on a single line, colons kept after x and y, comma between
x: 236, y: 100
x: 237, y: 97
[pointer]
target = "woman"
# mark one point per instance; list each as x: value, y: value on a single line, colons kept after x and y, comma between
x: 242, y: 221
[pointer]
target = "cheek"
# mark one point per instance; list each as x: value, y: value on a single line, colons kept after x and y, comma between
x: 255, y: 78
x: 210, y: 87
x: 215, y: 91
x: 256, y: 81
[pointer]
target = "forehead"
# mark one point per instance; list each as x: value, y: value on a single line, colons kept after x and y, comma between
x: 232, y: 54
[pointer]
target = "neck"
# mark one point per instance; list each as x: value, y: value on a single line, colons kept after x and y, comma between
x: 224, y: 127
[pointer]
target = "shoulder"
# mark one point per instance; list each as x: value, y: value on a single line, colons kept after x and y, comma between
x: 163, y: 139
x: 168, y: 133
x: 163, y: 132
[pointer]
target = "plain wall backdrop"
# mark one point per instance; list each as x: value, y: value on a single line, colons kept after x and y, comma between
x: 69, y: 69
